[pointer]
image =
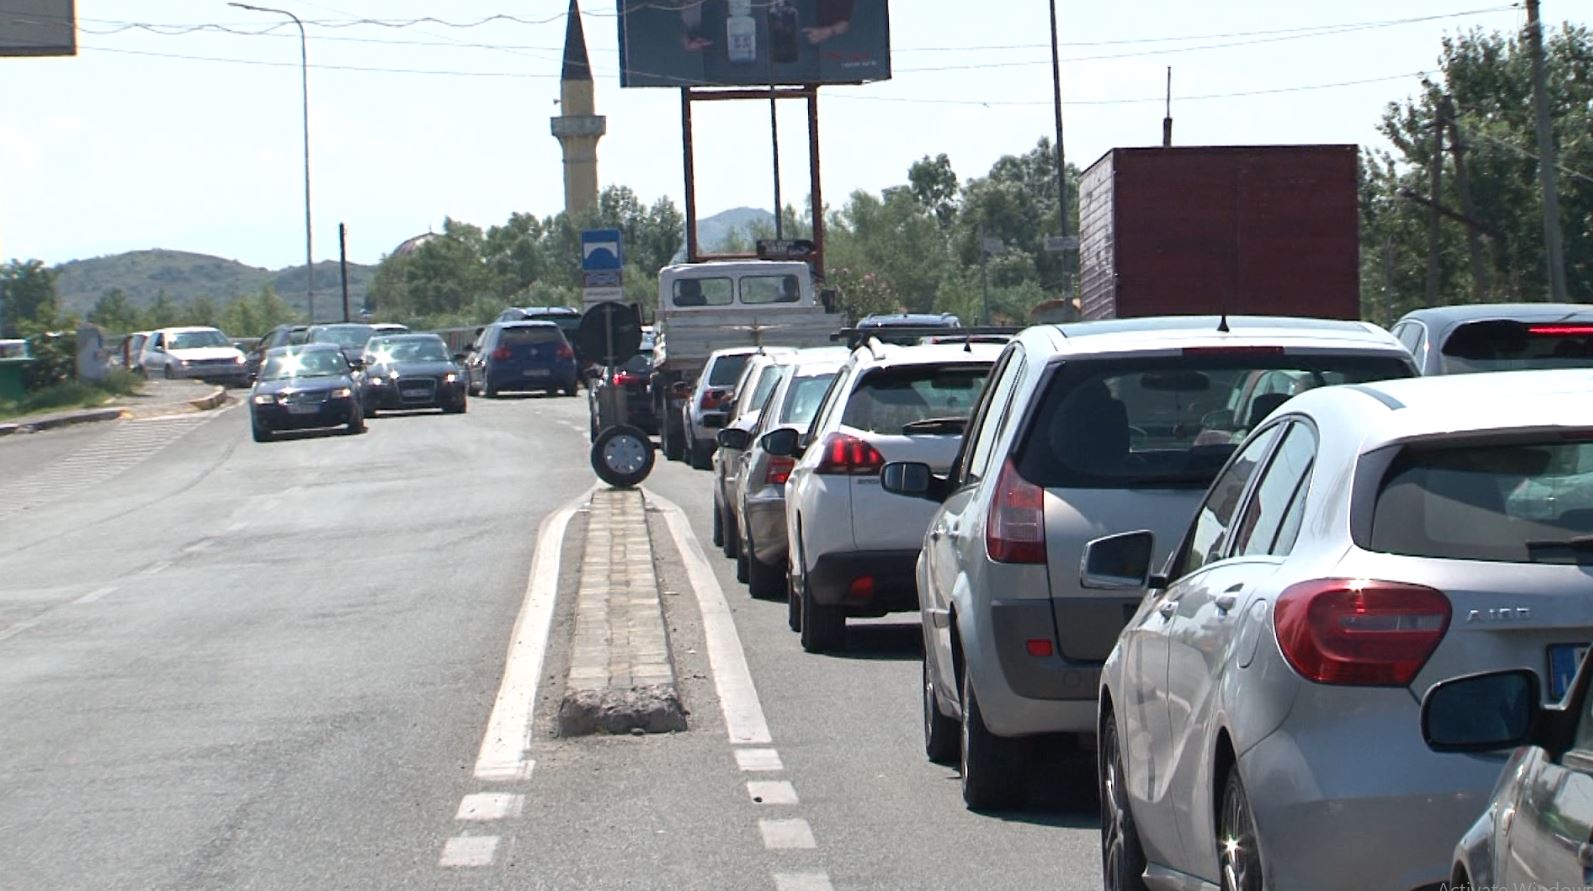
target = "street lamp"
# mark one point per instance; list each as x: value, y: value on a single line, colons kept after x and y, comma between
x: 304, y: 69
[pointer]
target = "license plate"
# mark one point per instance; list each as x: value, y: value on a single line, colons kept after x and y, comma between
x: 538, y: 372
x: 296, y: 409
x: 1564, y: 660
x: 420, y: 391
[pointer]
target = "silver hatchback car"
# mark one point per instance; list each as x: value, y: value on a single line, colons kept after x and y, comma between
x: 1259, y: 717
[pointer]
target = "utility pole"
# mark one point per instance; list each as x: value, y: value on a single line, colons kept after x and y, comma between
x: 342, y: 264
x: 1554, y: 251
x: 1061, y: 160
x: 1433, y: 217
x: 1457, y: 147
x: 774, y: 141
x: 1167, y: 116
x: 1388, y: 277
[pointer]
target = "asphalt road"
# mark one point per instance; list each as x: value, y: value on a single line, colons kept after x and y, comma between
x: 233, y: 665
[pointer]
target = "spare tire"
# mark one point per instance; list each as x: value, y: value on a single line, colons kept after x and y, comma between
x: 622, y: 456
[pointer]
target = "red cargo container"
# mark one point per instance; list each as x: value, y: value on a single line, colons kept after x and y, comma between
x: 1248, y: 230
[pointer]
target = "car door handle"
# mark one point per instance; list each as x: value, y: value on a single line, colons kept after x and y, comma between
x: 1226, y: 602
x: 953, y: 532
x: 1168, y: 608
x: 935, y: 532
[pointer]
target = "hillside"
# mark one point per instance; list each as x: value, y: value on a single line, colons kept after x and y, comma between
x: 714, y: 231
x: 183, y: 276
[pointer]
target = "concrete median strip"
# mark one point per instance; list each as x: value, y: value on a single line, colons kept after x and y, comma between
x: 216, y: 398
x: 621, y: 678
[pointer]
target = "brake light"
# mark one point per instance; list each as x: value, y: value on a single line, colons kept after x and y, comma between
x: 845, y: 454
x: 501, y: 354
x: 1234, y: 351
x: 625, y: 378
x: 1358, y: 631
x: 1016, y: 530
x: 564, y: 351
x: 712, y: 399
x: 779, y: 471
x: 1560, y: 330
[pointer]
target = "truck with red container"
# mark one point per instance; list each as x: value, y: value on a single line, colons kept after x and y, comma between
x: 1209, y: 230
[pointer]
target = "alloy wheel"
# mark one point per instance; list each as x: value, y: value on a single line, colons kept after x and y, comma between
x: 1238, y: 854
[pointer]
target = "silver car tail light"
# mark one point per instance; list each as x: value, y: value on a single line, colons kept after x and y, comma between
x: 1360, y: 632
x: 1016, y: 530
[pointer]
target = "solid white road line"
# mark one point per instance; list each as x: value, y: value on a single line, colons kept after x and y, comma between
x: 469, y: 850
x: 95, y: 594
x: 758, y: 760
x: 772, y: 792
x: 17, y: 629
x: 806, y: 881
x: 786, y: 834
x: 490, y: 806
x: 508, y: 737
x: 738, y: 698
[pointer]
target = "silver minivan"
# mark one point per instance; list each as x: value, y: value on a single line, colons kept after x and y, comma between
x: 1083, y: 431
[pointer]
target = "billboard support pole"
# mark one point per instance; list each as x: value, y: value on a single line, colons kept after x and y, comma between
x: 691, y: 175
x: 816, y: 190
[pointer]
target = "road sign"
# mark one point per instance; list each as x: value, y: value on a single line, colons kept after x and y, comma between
x: 601, y: 250
x: 605, y: 278
x: 786, y: 249
x: 610, y: 334
x: 590, y: 296
x: 1056, y: 244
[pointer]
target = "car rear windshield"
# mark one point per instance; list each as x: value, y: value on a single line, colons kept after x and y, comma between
x: 1169, y: 421
x: 346, y: 336
x: 726, y: 370
x: 641, y: 363
x: 1516, y: 502
x: 892, y: 400
x: 1504, y: 345
x: 802, y: 398
x: 529, y: 334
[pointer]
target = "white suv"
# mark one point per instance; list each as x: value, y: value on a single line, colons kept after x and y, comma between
x: 853, y: 548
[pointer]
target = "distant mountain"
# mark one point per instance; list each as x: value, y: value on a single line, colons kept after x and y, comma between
x: 183, y: 276
x: 714, y: 231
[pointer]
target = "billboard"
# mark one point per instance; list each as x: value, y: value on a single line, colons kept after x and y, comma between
x: 750, y: 43
x: 38, y: 28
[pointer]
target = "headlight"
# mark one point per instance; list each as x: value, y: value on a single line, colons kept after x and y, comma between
x: 392, y: 375
x: 238, y: 359
x: 264, y: 399
x: 450, y: 378
x: 183, y: 362
x: 376, y: 380
x: 342, y: 393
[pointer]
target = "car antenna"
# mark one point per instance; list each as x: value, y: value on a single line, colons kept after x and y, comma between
x: 1222, y: 324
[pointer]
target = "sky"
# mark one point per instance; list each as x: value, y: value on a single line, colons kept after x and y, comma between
x: 192, y: 141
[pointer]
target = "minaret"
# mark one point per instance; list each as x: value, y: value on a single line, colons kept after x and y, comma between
x: 580, y: 126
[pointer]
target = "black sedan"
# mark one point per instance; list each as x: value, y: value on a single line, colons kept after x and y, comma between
x: 405, y: 371
x: 305, y: 388
x: 631, y: 379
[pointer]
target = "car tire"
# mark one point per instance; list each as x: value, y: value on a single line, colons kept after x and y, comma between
x: 457, y: 408
x: 261, y: 434
x: 941, y: 740
x: 988, y: 762
x: 622, y: 480
x: 793, y: 605
x: 698, y: 457
x: 169, y: 375
x: 356, y: 425
x: 1238, y: 856
x: 489, y: 391
x: 1122, y: 857
x: 743, y: 570
x: 732, y: 542
x: 719, y: 529
x: 823, y: 626
x: 763, y: 580
x: 671, y: 443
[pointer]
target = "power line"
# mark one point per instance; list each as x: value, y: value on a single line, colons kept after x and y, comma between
x: 1086, y: 102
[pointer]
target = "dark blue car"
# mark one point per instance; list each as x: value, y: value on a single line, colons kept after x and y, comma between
x: 525, y: 356
x: 305, y: 388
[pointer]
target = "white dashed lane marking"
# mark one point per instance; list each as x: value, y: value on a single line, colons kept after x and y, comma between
x: 469, y: 850
x: 806, y: 881
x: 758, y: 760
x: 485, y: 806
x: 786, y: 834
x: 772, y: 792
x: 125, y: 445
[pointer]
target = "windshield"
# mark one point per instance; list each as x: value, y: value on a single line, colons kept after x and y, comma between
x: 1519, y: 502
x: 727, y: 370
x: 423, y: 349
x: 344, y: 335
x: 194, y: 340
x: 641, y: 363
x: 1169, y: 421
x: 889, y: 399
x: 802, y: 398
x: 521, y: 335
x: 314, y: 363
x: 1504, y: 345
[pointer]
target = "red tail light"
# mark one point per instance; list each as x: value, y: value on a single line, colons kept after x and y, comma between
x: 626, y: 378
x: 1358, y: 631
x: 846, y: 454
x: 712, y: 399
x: 1560, y: 330
x: 779, y: 471
x: 502, y: 354
x: 1016, y: 531
x: 564, y: 351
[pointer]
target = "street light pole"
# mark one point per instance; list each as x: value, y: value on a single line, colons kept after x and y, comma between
x: 1061, y: 156
x: 309, y: 237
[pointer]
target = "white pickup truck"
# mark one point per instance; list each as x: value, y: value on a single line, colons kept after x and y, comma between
x: 704, y: 307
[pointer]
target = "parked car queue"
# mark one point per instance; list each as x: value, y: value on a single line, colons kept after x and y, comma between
x: 1233, y: 557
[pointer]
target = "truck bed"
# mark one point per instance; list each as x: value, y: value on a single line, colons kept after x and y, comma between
x: 687, y: 339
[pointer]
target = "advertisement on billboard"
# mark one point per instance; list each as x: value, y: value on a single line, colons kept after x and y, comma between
x: 749, y: 43
x: 38, y: 28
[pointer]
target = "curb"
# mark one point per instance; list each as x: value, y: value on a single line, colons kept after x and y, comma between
x: 214, y: 400
x: 82, y: 417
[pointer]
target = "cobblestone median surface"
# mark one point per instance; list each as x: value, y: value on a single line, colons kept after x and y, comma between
x: 621, y: 678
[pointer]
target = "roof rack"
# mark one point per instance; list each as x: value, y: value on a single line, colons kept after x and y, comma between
x: 856, y: 337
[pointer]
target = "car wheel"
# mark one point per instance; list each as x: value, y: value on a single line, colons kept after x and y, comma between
x: 732, y: 542
x: 356, y: 425
x: 719, y: 530
x: 743, y: 571
x: 473, y: 388
x: 1238, y: 856
x: 823, y: 626
x: 622, y: 456
x: 697, y: 457
x: 261, y: 434
x: 671, y: 442
x: 169, y: 375
x: 489, y: 391
x: 940, y: 731
x: 793, y: 605
x: 1122, y: 858
x: 456, y: 408
x: 1461, y: 882
x: 763, y: 580
x: 988, y: 761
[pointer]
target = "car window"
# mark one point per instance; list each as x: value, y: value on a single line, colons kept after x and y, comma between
x: 1505, y: 345
x: 760, y: 289
x: 1214, y: 518
x: 889, y: 400
x: 761, y: 390
x: 409, y: 350
x: 529, y: 334
x: 1525, y: 501
x: 726, y: 370
x: 688, y: 292
x: 314, y: 363
x: 988, y: 424
x: 193, y: 340
x: 802, y: 398
x: 823, y: 417
x: 1160, y: 422
x: 1272, y: 517
x: 345, y: 336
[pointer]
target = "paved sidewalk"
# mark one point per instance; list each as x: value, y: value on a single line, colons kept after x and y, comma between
x: 621, y: 679
x: 158, y: 398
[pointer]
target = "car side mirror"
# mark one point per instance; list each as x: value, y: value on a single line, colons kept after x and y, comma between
x: 1119, y: 562
x: 781, y: 443
x: 827, y: 298
x: 356, y: 364
x: 460, y: 357
x: 681, y: 390
x: 1482, y: 712
x: 734, y: 438
x: 1221, y: 419
x: 912, y: 479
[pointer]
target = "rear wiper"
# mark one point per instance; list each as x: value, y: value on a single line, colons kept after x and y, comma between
x: 1578, y: 543
x: 935, y: 425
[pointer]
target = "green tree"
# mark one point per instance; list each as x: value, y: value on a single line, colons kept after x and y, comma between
x: 935, y: 186
x: 164, y: 312
x: 115, y: 313
x: 27, y: 290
